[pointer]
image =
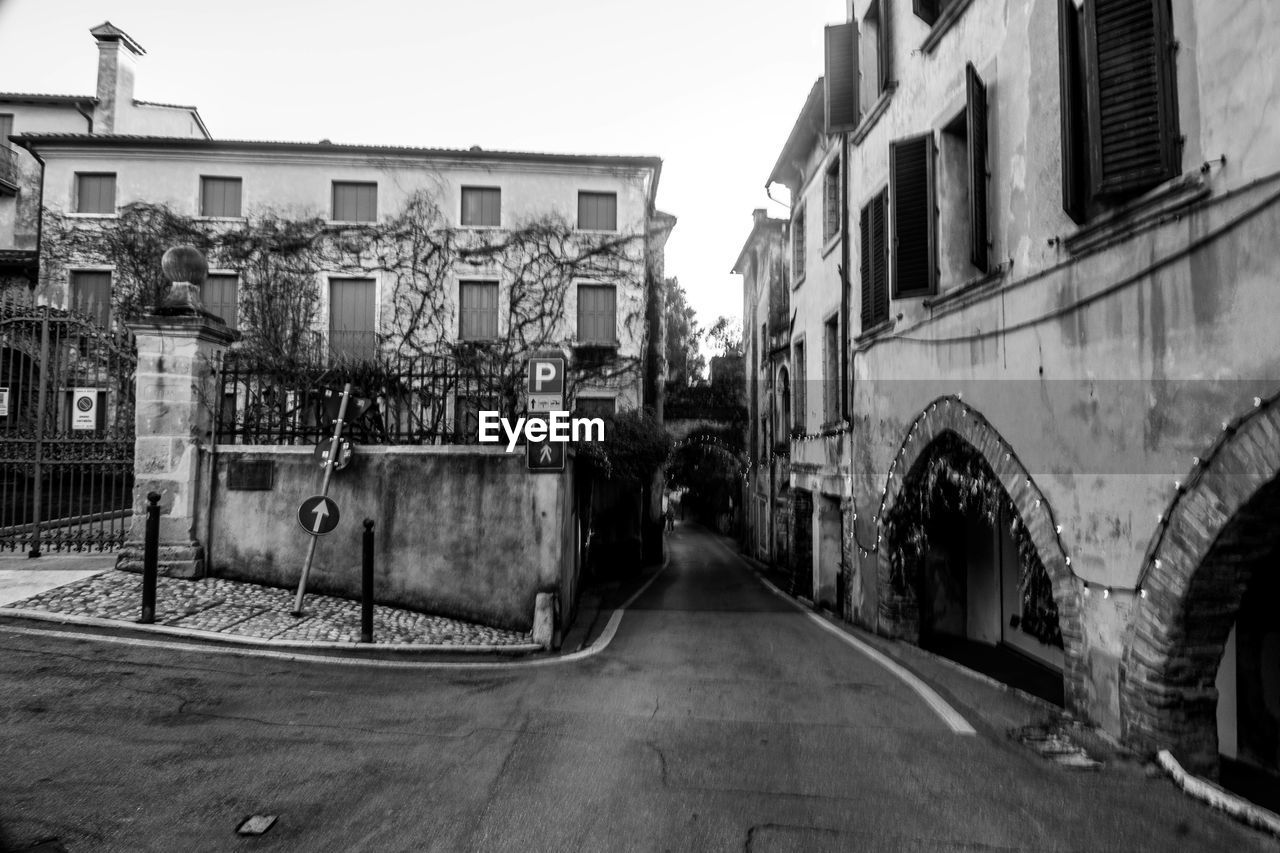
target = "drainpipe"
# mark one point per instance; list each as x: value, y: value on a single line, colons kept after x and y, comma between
x: 846, y: 339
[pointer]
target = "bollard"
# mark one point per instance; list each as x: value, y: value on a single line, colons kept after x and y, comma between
x: 150, y: 556
x: 366, y: 585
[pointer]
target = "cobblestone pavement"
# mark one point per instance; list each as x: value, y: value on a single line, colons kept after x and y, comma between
x: 248, y: 610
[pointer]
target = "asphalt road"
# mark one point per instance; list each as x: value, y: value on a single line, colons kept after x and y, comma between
x: 719, y: 718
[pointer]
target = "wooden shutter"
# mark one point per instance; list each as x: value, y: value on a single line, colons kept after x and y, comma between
x: 481, y: 206
x: 1132, y: 113
x: 220, y: 197
x: 478, y: 310
x: 219, y: 295
x: 976, y: 122
x: 927, y: 10
x: 598, y: 211
x: 842, y: 109
x: 880, y: 258
x: 1074, y: 112
x: 865, y: 268
x: 911, y: 176
x: 355, y: 202
x: 352, y: 331
x: 597, y: 314
x: 95, y: 193
x: 91, y: 295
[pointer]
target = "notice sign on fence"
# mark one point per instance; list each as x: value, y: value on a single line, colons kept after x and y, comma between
x: 4, y: 402
x: 84, y: 408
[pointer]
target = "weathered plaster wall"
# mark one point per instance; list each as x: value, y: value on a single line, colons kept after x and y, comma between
x: 19, y: 214
x: 461, y: 531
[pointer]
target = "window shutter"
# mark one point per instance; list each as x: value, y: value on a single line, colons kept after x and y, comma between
x: 976, y: 122
x: 886, y: 43
x: 926, y: 10
x: 911, y: 175
x: 842, y: 77
x: 1132, y: 113
x: 865, y: 289
x: 880, y: 258
x: 1075, y: 163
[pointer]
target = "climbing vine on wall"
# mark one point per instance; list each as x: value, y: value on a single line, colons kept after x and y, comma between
x: 955, y: 480
x: 282, y: 262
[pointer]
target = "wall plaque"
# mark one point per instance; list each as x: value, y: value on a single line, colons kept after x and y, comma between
x: 251, y: 475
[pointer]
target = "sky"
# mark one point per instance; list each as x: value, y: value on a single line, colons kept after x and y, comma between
x: 710, y: 87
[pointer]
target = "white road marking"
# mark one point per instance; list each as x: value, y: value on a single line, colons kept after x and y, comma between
x: 957, y: 723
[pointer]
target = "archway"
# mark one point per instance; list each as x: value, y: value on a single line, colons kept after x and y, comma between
x: 968, y: 548
x: 709, y: 467
x: 1202, y: 657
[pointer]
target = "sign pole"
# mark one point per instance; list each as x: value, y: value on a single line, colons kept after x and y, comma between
x: 324, y: 491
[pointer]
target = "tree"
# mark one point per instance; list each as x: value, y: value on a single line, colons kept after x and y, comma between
x: 685, y: 363
x: 726, y: 336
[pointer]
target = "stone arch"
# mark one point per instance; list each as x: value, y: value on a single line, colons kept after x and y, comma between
x: 950, y: 415
x: 1197, y: 568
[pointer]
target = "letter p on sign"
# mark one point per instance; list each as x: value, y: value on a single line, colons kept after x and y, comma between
x: 546, y: 376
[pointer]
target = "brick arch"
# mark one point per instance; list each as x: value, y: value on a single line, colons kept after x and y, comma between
x: 1198, y: 566
x: 950, y: 415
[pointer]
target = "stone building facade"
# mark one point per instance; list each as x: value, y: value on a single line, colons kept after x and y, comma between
x: 1061, y: 368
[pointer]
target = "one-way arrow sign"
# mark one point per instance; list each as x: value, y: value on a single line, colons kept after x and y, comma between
x: 318, y: 515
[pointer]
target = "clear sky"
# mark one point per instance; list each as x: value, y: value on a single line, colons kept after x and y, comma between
x: 711, y: 87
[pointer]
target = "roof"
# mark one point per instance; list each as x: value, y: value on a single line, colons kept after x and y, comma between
x: 107, y: 31
x: 39, y: 98
x: 91, y: 140
x: 808, y: 126
x: 761, y: 223
x: 195, y: 113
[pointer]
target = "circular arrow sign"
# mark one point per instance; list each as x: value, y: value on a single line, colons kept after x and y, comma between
x: 318, y: 515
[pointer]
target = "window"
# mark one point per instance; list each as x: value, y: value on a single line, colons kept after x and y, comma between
x: 764, y: 343
x: 595, y: 407
x: 597, y: 211
x: 929, y: 10
x: 355, y: 202
x: 912, y: 194
x: 95, y: 192
x: 478, y: 310
x: 1119, y: 103
x: 801, y: 411
x: 831, y: 198
x: 597, y: 314
x: 352, y: 319
x: 219, y: 294
x: 90, y: 293
x: 841, y: 66
x: 876, y: 52
x: 962, y: 187
x: 797, y: 246
x: 481, y: 206
x: 6, y: 127
x: 831, y: 371
x: 873, y: 231
x: 220, y: 197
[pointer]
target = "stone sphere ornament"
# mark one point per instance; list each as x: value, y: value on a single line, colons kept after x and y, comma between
x: 186, y: 269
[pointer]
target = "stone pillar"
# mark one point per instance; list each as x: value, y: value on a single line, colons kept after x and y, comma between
x: 179, y: 348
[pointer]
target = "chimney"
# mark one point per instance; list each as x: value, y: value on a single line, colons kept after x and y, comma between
x: 759, y: 215
x: 116, y: 53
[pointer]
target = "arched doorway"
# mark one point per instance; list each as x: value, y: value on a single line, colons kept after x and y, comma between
x: 1201, y: 669
x: 969, y: 558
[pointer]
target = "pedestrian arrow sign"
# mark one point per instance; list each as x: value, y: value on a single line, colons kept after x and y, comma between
x: 544, y: 455
x: 318, y: 515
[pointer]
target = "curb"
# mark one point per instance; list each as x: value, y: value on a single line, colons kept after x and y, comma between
x: 264, y: 642
x: 294, y: 651
x: 1201, y: 789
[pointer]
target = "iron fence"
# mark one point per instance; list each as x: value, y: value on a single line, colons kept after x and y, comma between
x: 412, y: 399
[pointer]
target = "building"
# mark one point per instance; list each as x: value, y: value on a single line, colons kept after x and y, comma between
x: 1054, y: 434
x: 811, y: 167
x: 764, y: 266
x: 112, y: 109
x: 1064, y: 429
x: 347, y: 250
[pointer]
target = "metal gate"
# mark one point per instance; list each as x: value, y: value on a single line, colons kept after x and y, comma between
x: 66, y: 430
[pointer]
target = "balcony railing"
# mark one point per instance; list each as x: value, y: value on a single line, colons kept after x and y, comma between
x: 8, y: 166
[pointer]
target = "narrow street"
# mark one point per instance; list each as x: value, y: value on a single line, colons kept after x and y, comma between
x: 720, y: 717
